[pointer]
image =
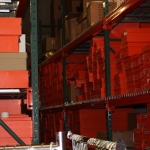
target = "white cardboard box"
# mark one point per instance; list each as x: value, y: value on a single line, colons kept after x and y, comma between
x: 22, y: 43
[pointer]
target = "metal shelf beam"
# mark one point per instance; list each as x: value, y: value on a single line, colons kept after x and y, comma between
x: 120, y: 12
x: 99, y: 27
x: 142, y: 97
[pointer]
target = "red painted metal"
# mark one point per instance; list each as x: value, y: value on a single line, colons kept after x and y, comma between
x: 88, y: 34
x: 110, y: 19
x: 120, y: 12
x: 21, y: 8
x: 126, y: 101
x: 29, y: 99
x: 112, y: 103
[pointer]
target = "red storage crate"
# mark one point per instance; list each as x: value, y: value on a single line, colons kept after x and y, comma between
x: 14, y: 79
x: 6, y: 105
x: 21, y: 125
x: 137, y: 146
x: 10, y: 26
x: 7, y: 141
x: 137, y: 133
x: 126, y: 50
x: 9, y: 43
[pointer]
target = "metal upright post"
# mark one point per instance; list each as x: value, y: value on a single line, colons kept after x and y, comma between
x: 107, y: 74
x: 64, y: 64
x: 40, y: 55
x: 34, y: 71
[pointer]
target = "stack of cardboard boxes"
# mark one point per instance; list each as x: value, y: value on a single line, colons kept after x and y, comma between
x: 93, y: 11
x: 79, y: 15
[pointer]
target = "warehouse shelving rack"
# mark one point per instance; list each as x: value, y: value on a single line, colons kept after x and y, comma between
x: 124, y: 13
x: 25, y: 93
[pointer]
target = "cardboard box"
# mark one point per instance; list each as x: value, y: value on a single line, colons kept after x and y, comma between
x: 72, y: 92
x: 119, y: 2
x: 86, y: 4
x: 95, y: 12
x: 49, y: 43
x: 59, y: 36
x: 9, y: 43
x: 81, y: 17
x: 112, y: 6
x: 81, y: 27
x: 70, y: 25
x: 6, y: 106
x: 13, y: 61
x: 70, y: 6
x: 126, y: 136
x: 84, y: 25
x: 22, y: 43
x: 10, y: 26
x: 14, y: 79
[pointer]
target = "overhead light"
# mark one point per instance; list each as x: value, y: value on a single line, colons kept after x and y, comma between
x: 5, y: 1
x: 4, y: 10
x: 9, y: 91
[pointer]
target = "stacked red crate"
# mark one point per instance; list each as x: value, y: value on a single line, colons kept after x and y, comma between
x: 94, y: 85
x: 52, y: 79
x: 75, y: 76
x: 52, y: 123
x: 51, y: 82
x: 142, y: 132
x: 145, y: 71
x: 21, y: 125
x: 130, y: 62
x: 90, y: 122
x: 10, y: 32
x: 11, y: 77
x: 87, y: 73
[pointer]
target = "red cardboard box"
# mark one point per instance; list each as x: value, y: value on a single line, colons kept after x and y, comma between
x: 10, y: 26
x: 14, y: 79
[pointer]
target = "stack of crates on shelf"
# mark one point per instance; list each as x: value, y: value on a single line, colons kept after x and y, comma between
x: 85, y: 75
x: 129, y: 69
x: 51, y: 80
x: 94, y: 85
x: 132, y: 61
x: 145, y: 70
x: 90, y: 123
x: 142, y: 132
x: 52, y: 84
x: 52, y: 123
x: 13, y: 75
x: 94, y: 68
x: 13, y: 63
x: 75, y: 77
